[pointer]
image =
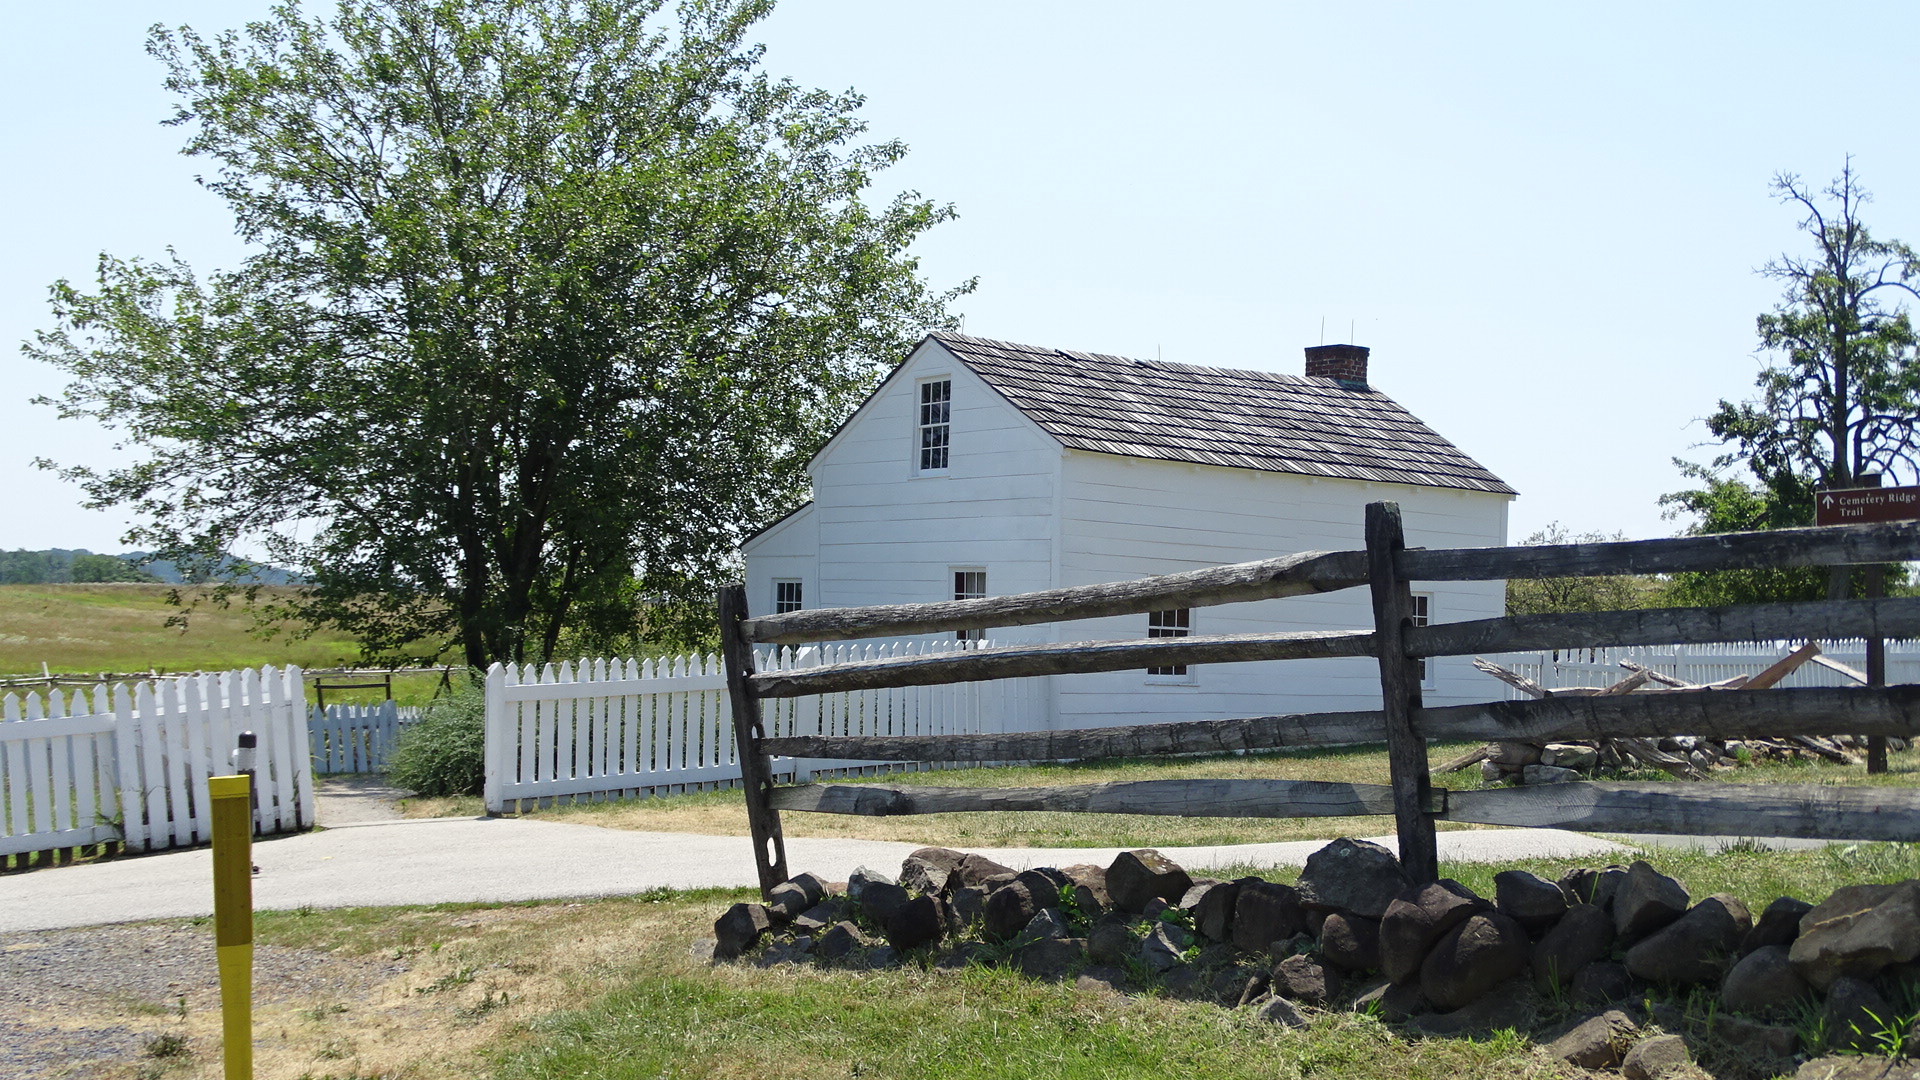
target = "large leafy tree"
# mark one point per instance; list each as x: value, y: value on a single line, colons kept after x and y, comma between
x: 1839, y: 398
x: 547, y: 302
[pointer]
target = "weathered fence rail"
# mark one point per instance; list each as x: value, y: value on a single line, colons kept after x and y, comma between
x: 1387, y: 568
x: 131, y: 762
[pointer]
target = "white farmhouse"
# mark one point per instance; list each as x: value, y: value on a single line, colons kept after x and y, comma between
x: 982, y: 468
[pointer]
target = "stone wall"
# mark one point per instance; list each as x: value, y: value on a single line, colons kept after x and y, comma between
x: 1573, y: 960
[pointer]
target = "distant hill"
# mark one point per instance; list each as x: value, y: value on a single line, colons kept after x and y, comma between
x: 63, y: 566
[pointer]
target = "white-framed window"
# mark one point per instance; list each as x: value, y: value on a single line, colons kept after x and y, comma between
x: 1174, y: 622
x: 969, y: 583
x: 787, y: 596
x: 1422, y: 615
x: 933, y: 428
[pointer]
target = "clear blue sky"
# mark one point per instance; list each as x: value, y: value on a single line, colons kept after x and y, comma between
x: 1543, y: 218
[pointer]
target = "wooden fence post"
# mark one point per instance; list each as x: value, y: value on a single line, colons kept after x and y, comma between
x: 1400, y: 695
x: 756, y: 771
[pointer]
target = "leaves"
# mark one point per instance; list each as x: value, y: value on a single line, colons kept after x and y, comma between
x: 549, y: 302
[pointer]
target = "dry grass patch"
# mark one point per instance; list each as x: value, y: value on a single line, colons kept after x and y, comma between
x: 723, y: 813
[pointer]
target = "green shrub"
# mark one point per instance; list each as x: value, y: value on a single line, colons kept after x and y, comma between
x: 444, y: 752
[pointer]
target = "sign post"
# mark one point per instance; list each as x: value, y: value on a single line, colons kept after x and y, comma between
x: 233, y: 907
x: 1856, y: 506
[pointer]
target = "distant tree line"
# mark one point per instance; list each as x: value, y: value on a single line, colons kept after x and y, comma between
x: 63, y: 566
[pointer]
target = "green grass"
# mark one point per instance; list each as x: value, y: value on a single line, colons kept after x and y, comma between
x: 623, y: 998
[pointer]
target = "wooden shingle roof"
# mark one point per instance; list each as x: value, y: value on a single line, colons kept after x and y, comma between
x: 1220, y: 416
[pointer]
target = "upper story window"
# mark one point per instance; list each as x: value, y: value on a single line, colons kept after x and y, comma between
x: 1174, y: 622
x: 786, y: 597
x: 970, y: 585
x: 1422, y: 614
x: 934, y: 425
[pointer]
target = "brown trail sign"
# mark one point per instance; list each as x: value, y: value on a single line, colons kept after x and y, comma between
x: 1859, y: 506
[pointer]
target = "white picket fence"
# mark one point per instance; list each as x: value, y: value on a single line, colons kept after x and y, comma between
x: 1555, y: 669
x: 355, y: 738
x: 615, y: 729
x: 131, y: 762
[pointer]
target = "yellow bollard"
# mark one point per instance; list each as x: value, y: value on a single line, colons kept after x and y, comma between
x: 233, y: 918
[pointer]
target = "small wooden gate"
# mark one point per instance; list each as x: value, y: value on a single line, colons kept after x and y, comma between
x: 1385, y: 567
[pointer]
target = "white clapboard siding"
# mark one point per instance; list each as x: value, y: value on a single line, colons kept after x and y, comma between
x: 131, y: 762
x: 601, y: 729
x: 1707, y: 663
x: 355, y: 738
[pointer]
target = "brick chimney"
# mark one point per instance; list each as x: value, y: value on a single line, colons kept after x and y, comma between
x: 1347, y: 363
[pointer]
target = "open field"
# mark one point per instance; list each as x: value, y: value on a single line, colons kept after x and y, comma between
x: 83, y: 629
x: 723, y: 813
x: 608, y: 989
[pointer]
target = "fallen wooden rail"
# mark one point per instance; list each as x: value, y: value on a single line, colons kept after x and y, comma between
x: 1207, y: 797
x: 1699, y: 809
x: 1076, y: 657
x: 1694, y: 809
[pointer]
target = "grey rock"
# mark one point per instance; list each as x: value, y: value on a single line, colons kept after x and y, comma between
x: 1281, y: 1011
x: 1652, y: 1058
x: 858, y: 881
x: 786, y: 901
x: 1164, y: 949
x: 1212, y: 906
x: 1515, y: 754
x: 1777, y: 1041
x: 1601, y: 982
x: 1855, y: 1012
x: 880, y: 899
x: 1356, y: 876
x: 1050, y: 958
x: 1646, y: 901
x: 1135, y: 877
x: 1493, y: 772
x: 1265, y: 912
x: 1778, y: 925
x: 1101, y: 979
x: 880, y: 957
x: 1606, y: 885
x: 968, y: 904
x: 1093, y: 879
x: 962, y: 868
x: 1257, y: 987
x: 1301, y: 978
x: 924, y: 876
x: 1110, y: 943
x: 1154, y: 908
x: 1858, y: 931
x: 1350, y: 942
x: 1182, y: 981
x: 1505, y: 1006
x: 1598, y: 1042
x: 920, y: 921
x: 1547, y: 774
x: 1472, y: 958
x: 1048, y: 924
x: 739, y: 929
x: 1697, y: 948
x: 780, y: 952
x: 817, y: 918
x: 1415, y: 920
x: 1857, y: 1068
x: 1584, y: 934
x: 1533, y: 902
x: 1764, y: 981
x: 1571, y: 756
x: 1011, y: 907
x: 1577, y: 884
x: 702, y: 950
x: 840, y: 940
x: 1393, y: 1002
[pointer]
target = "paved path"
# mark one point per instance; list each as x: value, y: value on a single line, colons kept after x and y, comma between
x: 502, y: 859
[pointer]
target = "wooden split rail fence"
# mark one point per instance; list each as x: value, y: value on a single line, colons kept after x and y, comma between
x: 1386, y: 567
